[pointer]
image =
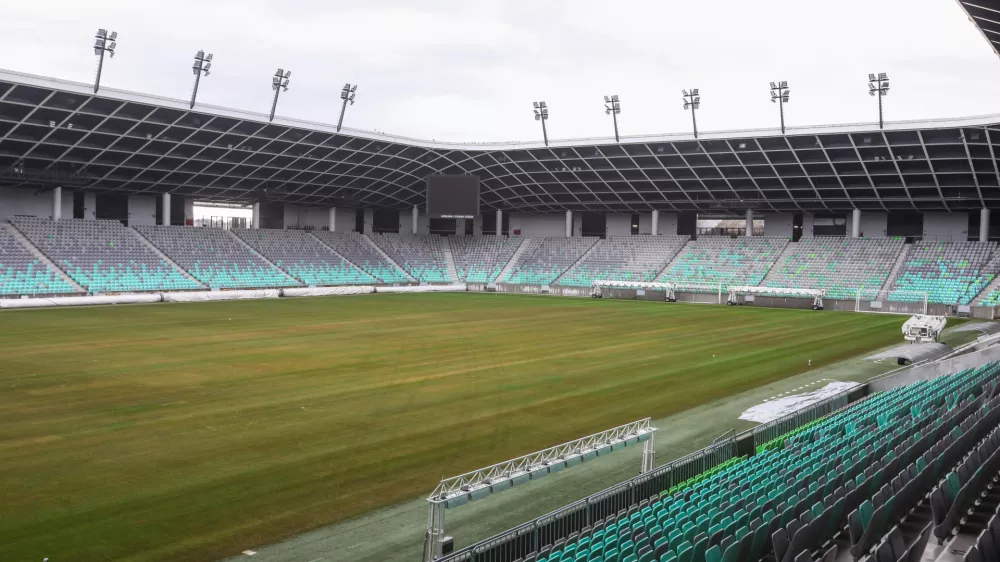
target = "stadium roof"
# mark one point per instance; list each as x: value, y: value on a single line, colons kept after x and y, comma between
x: 54, y: 132
x: 985, y: 14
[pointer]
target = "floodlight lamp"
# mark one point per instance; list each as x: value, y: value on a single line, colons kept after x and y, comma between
x: 111, y: 53
x: 112, y: 46
x: 102, y: 33
x: 784, y: 83
x: 98, y: 43
x: 535, y: 105
x: 607, y: 99
x: 883, y: 76
x: 607, y: 111
x: 354, y: 88
x: 773, y: 86
x: 199, y: 55
x: 697, y: 105
x: 279, y: 72
x: 687, y: 105
x: 206, y: 66
x: 784, y: 98
x: 774, y: 99
x: 871, y: 93
x: 288, y: 74
x: 209, y: 57
x: 541, y: 104
x: 871, y: 77
x: 195, y: 69
x: 685, y: 92
x: 697, y: 99
x: 538, y: 117
x: 885, y: 85
x: 114, y: 36
x: 275, y: 80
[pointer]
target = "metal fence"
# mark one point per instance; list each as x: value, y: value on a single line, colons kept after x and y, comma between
x: 776, y: 428
x: 577, y: 516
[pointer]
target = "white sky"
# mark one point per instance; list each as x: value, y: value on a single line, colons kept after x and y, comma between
x: 468, y: 70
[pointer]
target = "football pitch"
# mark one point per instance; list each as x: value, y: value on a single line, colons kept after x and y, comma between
x: 195, y: 431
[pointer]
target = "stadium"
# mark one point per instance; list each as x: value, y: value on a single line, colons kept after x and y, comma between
x: 712, y: 346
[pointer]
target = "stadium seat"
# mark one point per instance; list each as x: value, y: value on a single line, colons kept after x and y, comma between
x: 421, y: 256
x: 840, y: 266
x: 480, y: 259
x: 624, y: 258
x: 304, y: 257
x: 949, y: 272
x: 22, y: 274
x: 545, y: 259
x: 714, y: 260
x: 354, y: 248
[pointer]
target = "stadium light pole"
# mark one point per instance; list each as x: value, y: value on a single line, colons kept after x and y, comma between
x: 613, y: 107
x: 542, y: 114
x: 878, y: 85
x: 279, y: 82
x: 692, y: 101
x: 104, y: 42
x: 347, y: 94
x: 202, y: 63
x: 779, y: 93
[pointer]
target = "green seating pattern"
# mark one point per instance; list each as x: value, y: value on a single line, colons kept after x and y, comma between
x: 624, y: 258
x: 723, y: 260
x: 481, y: 259
x: 731, y: 514
x: 949, y: 272
x: 545, y: 259
x: 354, y: 248
x: 840, y: 266
x: 22, y: 274
x: 304, y: 257
x: 421, y: 256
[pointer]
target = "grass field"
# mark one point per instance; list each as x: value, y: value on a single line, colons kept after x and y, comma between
x: 192, y: 432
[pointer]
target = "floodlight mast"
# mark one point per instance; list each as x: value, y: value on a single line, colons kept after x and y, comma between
x: 692, y: 101
x: 347, y: 94
x: 542, y: 114
x: 613, y: 107
x: 104, y: 42
x: 202, y: 63
x: 878, y: 85
x: 779, y: 94
x: 279, y: 82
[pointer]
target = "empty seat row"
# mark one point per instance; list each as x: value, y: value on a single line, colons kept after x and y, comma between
x: 714, y: 260
x: 422, y: 256
x: 356, y: 249
x: 304, y: 257
x: 840, y: 266
x: 948, y: 272
x: 987, y: 547
x: 21, y: 273
x: 102, y: 256
x: 545, y: 259
x: 481, y: 259
x: 624, y: 258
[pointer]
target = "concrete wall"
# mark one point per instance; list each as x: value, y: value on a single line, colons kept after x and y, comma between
x: 24, y: 201
x: 423, y: 222
x: 618, y: 224
x: 89, y: 206
x: 538, y: 225
x: 951, y: 227
x: 141, y: 210
x: 369, y: 220
x: 301, y: 216
x: 188, y: 209
x: 477, y: 225
x: 873, y: 225
x: 777, y: 224
x: 577, y: 224
x: 807, y: 224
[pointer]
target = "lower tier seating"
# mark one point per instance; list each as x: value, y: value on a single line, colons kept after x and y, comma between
x: 949, y: 272
x: 22, y: 274
x: 713, y: 260
x: 545, y: 259
x: 841, y: 266
x: 102, y: 256
x: 480, y: 259
x: 214, y: 257
x: 421, y: 256
x: 304, y: 257
x: 355, y: 249
x: 625, y: 258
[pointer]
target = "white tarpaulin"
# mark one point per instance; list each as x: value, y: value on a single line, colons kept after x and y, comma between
x: 202, y: 296
x: 775, y: 409
x: 80, y: 301
x: 421, y: 289
x: 327, y: 291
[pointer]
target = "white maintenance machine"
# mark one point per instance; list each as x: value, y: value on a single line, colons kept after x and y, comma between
x: 924, y: 329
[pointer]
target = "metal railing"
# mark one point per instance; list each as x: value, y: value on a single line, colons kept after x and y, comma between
x: 546, y: 530
x: 776, y: 428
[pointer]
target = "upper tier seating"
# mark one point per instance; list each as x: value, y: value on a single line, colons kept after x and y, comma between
x: 22, y: 274
x: 839, y: 265
x: 625, y: 258
x: 304, y: 257
x: 215, y: 257
x: 355, y: 249
x: 480, y: 259
x: 795, y: 494
x: 949, y: 272
x: 102, y: 256
x: 421, y: 256
x: 545, y: 259
x: 713, y: 260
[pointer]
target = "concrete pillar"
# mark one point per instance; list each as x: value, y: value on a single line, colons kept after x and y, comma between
x: 569, y: 224
x: 165, y: 210
x: 460, y: 227
x: 749, y: 222
x: 57, y: 203
x: 856, y: 223
x: 416, y: 213
x: 499, y: 222
x: 256, y: 215
x: 984, y: 225
x: 655, y: 227
x: 333, y: 219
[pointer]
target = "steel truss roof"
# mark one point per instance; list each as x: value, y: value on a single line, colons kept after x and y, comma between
x: 55, y: 132
x: 985, y: 14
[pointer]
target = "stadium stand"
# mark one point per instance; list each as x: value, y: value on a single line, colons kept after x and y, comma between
x: 480, y: 259
x: 624, y: 258
x: 215, y: 257
x: 22, y: 274
x: 545, y: 259
x: 358, y: 251
x: 102, y: 256
x: 949, y: 272
x: 304, y: 257
x: 421, y: 256
x: 721, y: 259
x: 867, y: 465
x: 838, y: 265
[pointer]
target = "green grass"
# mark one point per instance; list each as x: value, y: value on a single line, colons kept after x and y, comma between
x: 192, y: 432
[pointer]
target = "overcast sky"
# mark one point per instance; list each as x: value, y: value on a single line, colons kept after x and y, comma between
x: 468, y: 70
